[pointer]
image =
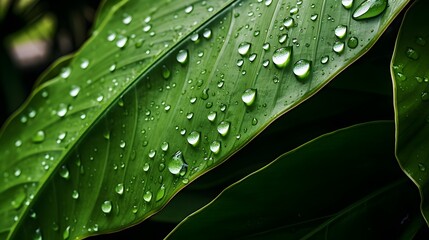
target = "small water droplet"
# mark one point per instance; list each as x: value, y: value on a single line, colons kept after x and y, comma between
x: 62, y: 111
x: 119, y: 189
x: 147, y: 196
x: 17, y: 172
x: 353, y: 42
x: 177, y: 163
x: 215, y: 147
x: 111, y: 37
x: 100, y: 98
x: 194, y: 37
x: 223, y: 128
x: 112, y: 67
x: 122, y: 144
x: 266, y: 46
x: 189, y: 115
x: 249, y: 96
x: 254, y: 121
x: 147, y: 27
x: 164, y: 146
x: 211, y: 116
x: 301, y: 69
x: 294, y: 10
x: 207, y: 33
x: 64, y: 172
x: 75, y: 194
x: 265, y: 63
x: 193, y: 138
x: 65, y: 72
x: 152, y: 153
x: 282, y: 56
x: 347, y: 4
x: 74, y: 91
x: 341, y: 31
x: 421, y: 41
x: 369, y: 9
x: 244, y: 48
x: 283, y: 38
x: 189, y: 9
x: 288, y: 22
x: 240, y: 62
x: 425, y: 96
x: 122, y: 41
x: 268, y: 2
x: 182, y: 56
x: 165, y: 72
x: 39, y: 137
x: 314, y: 17
x: 18, y: 143
x: 146, y: 167
x: 252, y: 57
x: 84, y: 63
x: 338, y: 47
x: 106, y: 206
x: 422, y: 167
x: 66, y: 233
x: 160, y: 194
x: 412, y: 54
x: 324, y: 59
x: 127, y: 19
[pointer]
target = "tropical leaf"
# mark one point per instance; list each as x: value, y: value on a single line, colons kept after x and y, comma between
x: 410, y: 75
x: 352, y: 204
x: 161, y: 93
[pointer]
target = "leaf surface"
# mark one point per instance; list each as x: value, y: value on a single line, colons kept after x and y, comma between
x: 130, y: 121
x: 355, y: 201
x: 410, y: 78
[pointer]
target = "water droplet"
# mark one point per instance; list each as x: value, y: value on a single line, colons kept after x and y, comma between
x: 240, y: 62
x: 338, y: 47
x: 64, y: 172
x: 352, y: 42
x: 223, y: 128
x: 324, y: 59
x: 254, y: 121
x: 112, y: 67
x: 369, y: 9
x: 282, y: 56
x: 412, y: 54
x: 122, y: 144
x: 111, y: 37
x: 66, y: 233
x: 249, y: 96
x: 265, y: 63
x: 39, y: 137
x: 74, y: 91
x: 146, y: 167
x: 160, y: 194
x: 314, y: 17
x: 147, y: 27
x: 119, y: 189
x: 189, y: 9
x: 301, y: 69
x: 244, y: 48
x: 252, y: 57
x: 122, y: 41
x: 266, y: 46
x: 65, y: 72
x: 207, y: 33
x: 100, y: 98
x: 211, y: 116
x: 282, y: 38
x: 341, y: 31
x: 147, y: 196
x: 165, y: 72
x: 422, y: 167
x: 18, y: 143
x: 182, y: 56
x: 127, y: 19
x: 17, y: 172
x: 62, y: 111
x: 268, y: 2
x: 189, y: 115
x: 164, y: 146
x: 194, y: 37
x: 425, y: 96
x: 152, y: 153
x: 293, y: 10
x: 421, y: 41
x: 75, y: 194
x: 176, y: 163
x: 347, y: 4
x: 194, y: 138
x: 106, y: 206
x: 215, y: 147
x: 289, y: 22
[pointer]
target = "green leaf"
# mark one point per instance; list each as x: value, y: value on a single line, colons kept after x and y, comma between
x: 410, y: 75
x: 151, y: 74
x: 355, y: 201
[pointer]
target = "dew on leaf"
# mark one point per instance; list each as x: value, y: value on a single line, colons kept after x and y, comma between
x: 352, y: 42
x: 66, y: 233
x: 193, y: 138
x: 302, y: 68
x: 106, y: 206
x: 207, y: 33
x: 121, y: 41
x: 176, y: 163
x: 281, y: 57
x: 314, y: 17
x: 324, y: 59
x: 340, y: 31
x: 62, y: 111
x: 211, y: 116
x: 249, y: 96
x: 288, y: 22
x: 39, y: 137
x: 412, y: 54
x: 347, y: 4
x: 223, y: 128
x: 338, y: 47
x: 283, y: 38
x: 189, y: 9
x: 182, y: 56
x: 65, y: 72
x: 369, y: 9
x: 160, y: 194
x: 127, y: 19
x: 74, y: 91
x: 215, y: 147
x: 119, y: 189
x: 244, y: 48
x: 64, y: 172
x: 164, y: 146
x: 147, y: 196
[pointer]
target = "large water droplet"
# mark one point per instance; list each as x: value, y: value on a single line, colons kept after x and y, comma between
x: 39, y: 137
x: 249, y: 96
x: 369, y: 9
x: 244, y: 48
x: 122, y: 41
x: 215, y: 147
x: 74, y: 91
x: 288, y: 22
x: 282, y: 56
x: 341, y: 31
x: 164, y: 146
x: 347, y: 4
x: 119, y: 189
x: 223, y: 128
x: 301, y: 69
x: 194, y: 138
x: 176, y: 163
x: 160, y: 194
x: 64, y: 172
x: 338, y: 47
x: 106, y: 206
x: 147, y: 196
x: 211, y: 116
x: 207, y: 33
x: 182, y: 56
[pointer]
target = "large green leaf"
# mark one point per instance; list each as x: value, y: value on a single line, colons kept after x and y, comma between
x: 352, y: 203
x: 411, y: 74
x: 151, y: 74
